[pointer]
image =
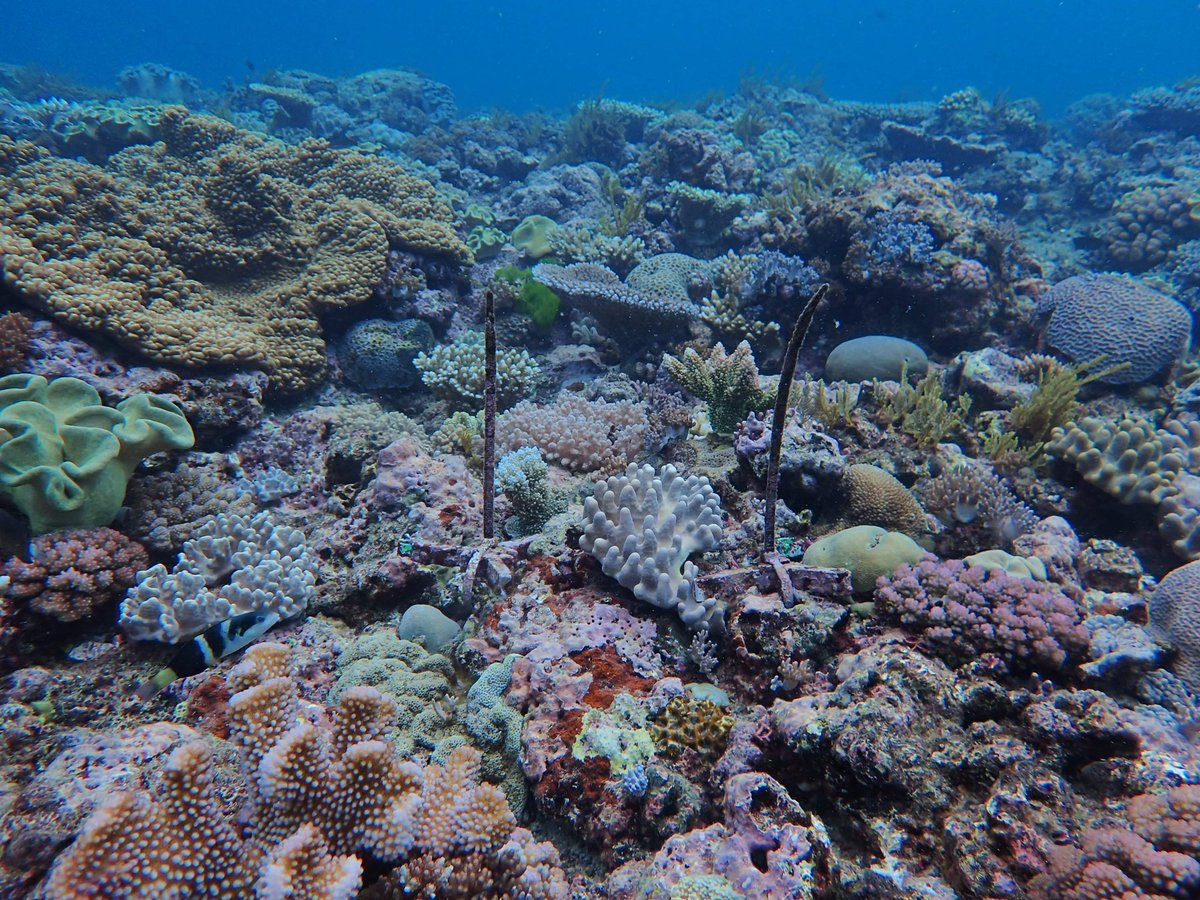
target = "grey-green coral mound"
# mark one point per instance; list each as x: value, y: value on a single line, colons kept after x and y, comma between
x: 1175, y: 616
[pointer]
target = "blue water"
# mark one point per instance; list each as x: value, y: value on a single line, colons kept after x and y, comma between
x: 539, y: 53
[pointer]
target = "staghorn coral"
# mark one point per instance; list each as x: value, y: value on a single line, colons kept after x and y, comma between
x: 1119, y: 319
x: 455, y: 371
x: 727, y: 382
x: 642, y: 526
x: 597, y: 436
x: 72, y: 574
x: 216, y: 246
x: 233, y: 565
x: 964, y: 611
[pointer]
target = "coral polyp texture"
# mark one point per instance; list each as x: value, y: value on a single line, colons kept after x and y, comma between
x: 233, y: 565
x: 963, y: 610
x: 215, y: 247
x: 312, y: 792
x: 71, y: 575
x: 644, y: 525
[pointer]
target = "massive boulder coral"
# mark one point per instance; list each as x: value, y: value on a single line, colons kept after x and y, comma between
x: 1119, y: 318
x: 644, y: 525
x: 214, y: 246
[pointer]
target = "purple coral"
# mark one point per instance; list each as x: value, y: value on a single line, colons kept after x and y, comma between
x: 964, y: 611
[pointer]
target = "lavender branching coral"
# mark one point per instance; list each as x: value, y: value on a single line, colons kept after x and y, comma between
x: 964, y: 611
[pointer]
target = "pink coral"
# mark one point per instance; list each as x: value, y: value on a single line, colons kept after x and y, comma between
x: 593, y: 436
x: 966, y: 611
x: 74, y: 573
x: 1157, y: 858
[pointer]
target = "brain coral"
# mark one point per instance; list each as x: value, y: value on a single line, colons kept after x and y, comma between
x: 1119, y: 318
x: 214, y: 246
x: 1173, y: 614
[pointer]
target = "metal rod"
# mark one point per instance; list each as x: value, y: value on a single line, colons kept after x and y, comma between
x: 489, y: 414
x: 786, y: 376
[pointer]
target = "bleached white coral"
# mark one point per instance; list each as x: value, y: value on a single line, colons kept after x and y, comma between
x: 642, y: 527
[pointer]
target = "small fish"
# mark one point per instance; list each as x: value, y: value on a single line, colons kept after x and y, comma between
x: 14, y: 537
x: 205, y: 649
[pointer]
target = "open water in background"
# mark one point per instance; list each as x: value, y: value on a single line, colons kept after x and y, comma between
x: 551, y: 54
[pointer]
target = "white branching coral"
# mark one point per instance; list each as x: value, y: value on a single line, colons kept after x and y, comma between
x: 642, y: 526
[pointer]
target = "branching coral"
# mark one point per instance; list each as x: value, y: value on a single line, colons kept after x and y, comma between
x: 963, y: 611
x: 455, y: 371
x: 313, y: 791
x: 727, y: 382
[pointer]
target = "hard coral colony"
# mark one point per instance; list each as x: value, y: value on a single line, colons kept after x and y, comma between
x: 257, y: 424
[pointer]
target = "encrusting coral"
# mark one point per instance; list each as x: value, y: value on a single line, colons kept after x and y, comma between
x: 313, y: 791
x: 215, y: 246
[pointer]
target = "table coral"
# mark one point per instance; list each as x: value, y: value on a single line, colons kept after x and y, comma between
x: 216, y: 247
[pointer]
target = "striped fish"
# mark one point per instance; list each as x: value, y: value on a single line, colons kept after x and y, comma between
x: 205, y: 649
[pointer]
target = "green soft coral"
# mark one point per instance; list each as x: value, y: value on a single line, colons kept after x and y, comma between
x: 66, y: 458
x: 727, y: 382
